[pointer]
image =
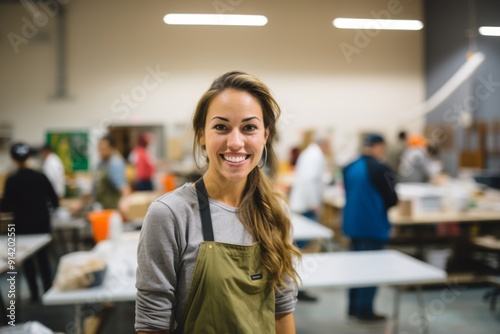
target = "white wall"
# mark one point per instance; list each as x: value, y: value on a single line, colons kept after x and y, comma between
x: 112, y: 43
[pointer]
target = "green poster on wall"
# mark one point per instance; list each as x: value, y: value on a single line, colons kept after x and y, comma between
x: 71, y: 147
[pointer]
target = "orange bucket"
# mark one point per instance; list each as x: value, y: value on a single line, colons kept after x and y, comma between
x: 169, y: 182
x: 99, y: 221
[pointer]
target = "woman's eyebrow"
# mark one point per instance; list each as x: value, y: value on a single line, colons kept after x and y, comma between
x: 243, y: 120
x: 249, y: 119
x: 221, y: 118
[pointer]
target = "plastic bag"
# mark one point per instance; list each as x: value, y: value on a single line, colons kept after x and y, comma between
x: 79, y: 270
x: 30, y: 327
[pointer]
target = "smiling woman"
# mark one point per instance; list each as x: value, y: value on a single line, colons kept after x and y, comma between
x: 234, y: 275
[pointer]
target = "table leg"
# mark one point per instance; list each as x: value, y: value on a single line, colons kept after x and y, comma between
x: 396, y: 306
x: 62, y: 240
x: 424, y: 327
x: 76, y: 239
x: 78, y: 319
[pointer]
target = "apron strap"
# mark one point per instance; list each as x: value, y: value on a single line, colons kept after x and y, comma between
x: 206, y: 219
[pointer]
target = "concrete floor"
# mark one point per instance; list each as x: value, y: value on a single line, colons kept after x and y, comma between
x: 458, y: 311
x: 464, y: 312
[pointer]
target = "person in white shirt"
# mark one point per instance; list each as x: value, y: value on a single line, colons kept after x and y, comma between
x: 53, y: 168
x: 307, y: 189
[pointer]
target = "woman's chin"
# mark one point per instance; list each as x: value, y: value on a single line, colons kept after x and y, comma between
x: 235, y: 176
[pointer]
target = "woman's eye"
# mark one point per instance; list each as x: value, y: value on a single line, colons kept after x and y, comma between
x: 250, y: 127
x: 220, y: 127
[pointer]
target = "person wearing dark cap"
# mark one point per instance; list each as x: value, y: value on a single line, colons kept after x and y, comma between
x: 28, y: 194
x: 369, y: 188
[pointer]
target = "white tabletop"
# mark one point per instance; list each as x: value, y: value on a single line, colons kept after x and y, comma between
x: 119, y: 280
x: 358, y: 269
x: 118, y: 286
x: 340, y: 269
x: 307, y: 229
x: 26, y: 245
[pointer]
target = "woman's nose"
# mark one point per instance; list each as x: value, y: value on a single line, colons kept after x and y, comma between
x: 235, y: 139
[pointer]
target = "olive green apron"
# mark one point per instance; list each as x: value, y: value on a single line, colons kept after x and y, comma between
x: 229, y: 292
x: 105, y: 192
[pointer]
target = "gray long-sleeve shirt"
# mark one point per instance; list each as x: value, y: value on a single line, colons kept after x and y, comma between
x: 168, y: 249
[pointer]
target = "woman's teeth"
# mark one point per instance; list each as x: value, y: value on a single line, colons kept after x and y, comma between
x: 239, y: 158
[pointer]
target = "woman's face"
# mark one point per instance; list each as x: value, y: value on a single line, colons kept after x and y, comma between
x: 234, y: 134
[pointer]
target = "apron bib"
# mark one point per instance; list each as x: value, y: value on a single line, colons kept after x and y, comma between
x: 105, y: 192
x: 229, y: 291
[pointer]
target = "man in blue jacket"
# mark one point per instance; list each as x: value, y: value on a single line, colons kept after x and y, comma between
x: 369, y: 187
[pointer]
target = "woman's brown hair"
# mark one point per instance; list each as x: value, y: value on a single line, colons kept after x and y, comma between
x: 261, y: 208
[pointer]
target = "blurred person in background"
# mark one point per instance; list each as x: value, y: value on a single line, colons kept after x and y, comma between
x: 307, y: 189
x: 396, y: 150
x: 53, y: 169
x: 110, y: 184
x: 416, y: 164
x: 110, y: 187
x: 369, y: 195
x: 28, y: 194
x: 307, y: 139
x: 144, y: 165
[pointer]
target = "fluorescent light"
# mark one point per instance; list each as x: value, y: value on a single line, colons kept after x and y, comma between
x: 216, y: 19
x: 375, y: 24
x: 489, y: 31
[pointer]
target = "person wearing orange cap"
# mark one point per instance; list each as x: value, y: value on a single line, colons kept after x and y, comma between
x: 416, y: 164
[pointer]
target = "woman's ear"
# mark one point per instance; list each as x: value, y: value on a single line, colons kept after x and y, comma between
x: 201, y: 139
x: 266, y: 134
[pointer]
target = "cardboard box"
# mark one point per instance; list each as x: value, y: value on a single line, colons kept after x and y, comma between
x: 405, y: 208
x: 424, y: 198
x: 138, y: 203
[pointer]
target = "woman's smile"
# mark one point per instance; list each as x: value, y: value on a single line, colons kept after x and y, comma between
x: 235, y: 159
